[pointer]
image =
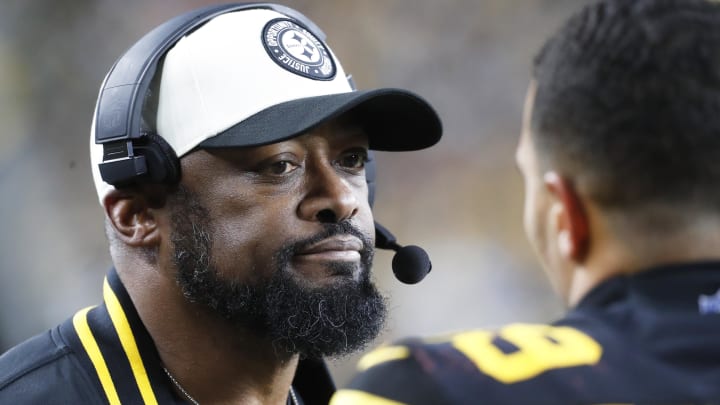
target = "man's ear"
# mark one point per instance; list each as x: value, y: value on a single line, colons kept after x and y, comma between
x: 133, y: 218
x: 570, y: 217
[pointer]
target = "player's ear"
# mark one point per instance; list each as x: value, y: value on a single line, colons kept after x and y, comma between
x: 132, y: 217
x: 570, y: 217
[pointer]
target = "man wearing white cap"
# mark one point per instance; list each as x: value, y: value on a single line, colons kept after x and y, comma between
x: 229, y: 151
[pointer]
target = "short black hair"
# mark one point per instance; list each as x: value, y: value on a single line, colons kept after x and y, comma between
x: 628, y: 99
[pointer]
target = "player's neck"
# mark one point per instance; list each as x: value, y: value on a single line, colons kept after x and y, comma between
x: 610, y: 255
x: 242, y: 372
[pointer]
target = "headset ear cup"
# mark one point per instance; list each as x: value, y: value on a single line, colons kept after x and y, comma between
x: 370, y: 173
x: 163, y: 163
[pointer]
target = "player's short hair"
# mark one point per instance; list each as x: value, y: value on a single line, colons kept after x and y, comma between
x: 628, y: 102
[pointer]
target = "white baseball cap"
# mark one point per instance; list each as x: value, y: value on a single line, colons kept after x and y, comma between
x: 258, y: 76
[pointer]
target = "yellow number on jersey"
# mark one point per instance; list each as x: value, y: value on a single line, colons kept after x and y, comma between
x: 540, y: 348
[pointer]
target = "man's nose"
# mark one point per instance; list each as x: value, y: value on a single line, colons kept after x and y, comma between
x: 330, y: 197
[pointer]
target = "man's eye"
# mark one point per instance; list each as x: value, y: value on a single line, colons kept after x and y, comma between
x: 282, y: 167
x: 354, y: 160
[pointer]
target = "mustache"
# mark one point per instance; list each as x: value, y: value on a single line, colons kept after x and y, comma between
x: 330, y: 230
x: 291, y: 248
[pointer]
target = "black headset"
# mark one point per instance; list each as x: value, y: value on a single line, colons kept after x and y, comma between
x: 132, y: 153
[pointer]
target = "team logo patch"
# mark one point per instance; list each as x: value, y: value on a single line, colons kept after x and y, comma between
x: 709, y: 304
x: 297, y: 50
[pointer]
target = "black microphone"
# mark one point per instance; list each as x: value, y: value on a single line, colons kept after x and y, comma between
x: 410, y: 264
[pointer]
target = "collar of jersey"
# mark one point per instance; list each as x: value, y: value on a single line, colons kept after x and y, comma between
x: 672, y: 287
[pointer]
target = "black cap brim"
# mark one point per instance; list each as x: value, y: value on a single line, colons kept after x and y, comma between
x: 394, y: 119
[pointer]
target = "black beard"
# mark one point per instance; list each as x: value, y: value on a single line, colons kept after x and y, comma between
x: 331, y: 320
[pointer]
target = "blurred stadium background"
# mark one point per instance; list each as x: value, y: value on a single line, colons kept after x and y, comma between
x: 461, y: 201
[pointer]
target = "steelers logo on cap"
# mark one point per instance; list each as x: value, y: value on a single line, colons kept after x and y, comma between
x: 297, y: 50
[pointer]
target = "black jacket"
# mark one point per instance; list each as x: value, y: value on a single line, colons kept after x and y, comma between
x: 652, y: 338
x: 104, y: 355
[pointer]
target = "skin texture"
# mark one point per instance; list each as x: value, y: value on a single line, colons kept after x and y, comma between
x: 258, y: 199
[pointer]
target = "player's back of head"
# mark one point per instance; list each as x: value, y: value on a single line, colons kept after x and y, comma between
x: 628, y: 102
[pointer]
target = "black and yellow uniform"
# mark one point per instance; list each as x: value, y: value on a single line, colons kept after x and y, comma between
x: 651, y: 338
x: 104, y: 355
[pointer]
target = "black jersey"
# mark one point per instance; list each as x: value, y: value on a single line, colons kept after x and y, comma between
x: 104, y: 355
x: 651, y: 338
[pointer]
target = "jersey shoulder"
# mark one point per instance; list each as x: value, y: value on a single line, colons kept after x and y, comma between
x: 464, y: 366
x: 43, y: 370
